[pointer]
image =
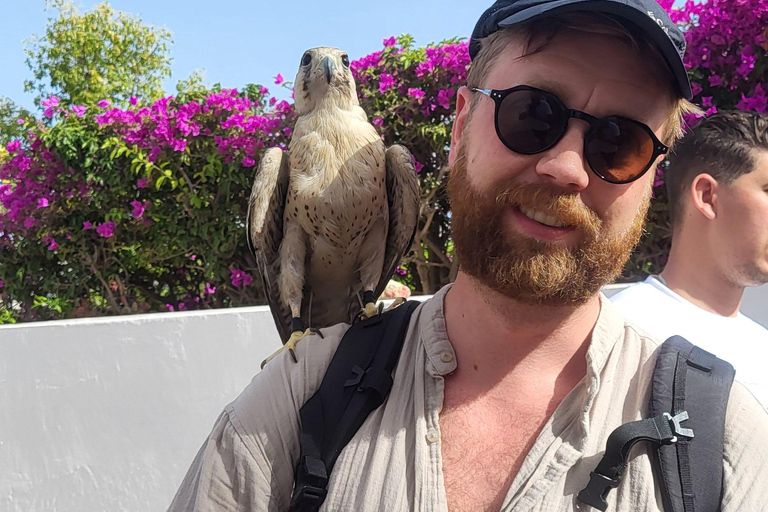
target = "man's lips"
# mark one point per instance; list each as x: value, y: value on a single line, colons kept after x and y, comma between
x: 542, y: 217
x: 532, y: 227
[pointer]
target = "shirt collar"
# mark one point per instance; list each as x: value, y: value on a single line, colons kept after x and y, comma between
x: 441, y: 358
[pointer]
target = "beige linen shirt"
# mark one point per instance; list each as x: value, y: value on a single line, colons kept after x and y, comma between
x: 394, y: 461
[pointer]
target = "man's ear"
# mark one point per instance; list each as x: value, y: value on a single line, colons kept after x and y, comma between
x: 463, y: 102
x: 703, y: 191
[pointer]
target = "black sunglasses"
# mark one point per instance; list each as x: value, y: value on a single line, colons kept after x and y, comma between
x: 530, y: 121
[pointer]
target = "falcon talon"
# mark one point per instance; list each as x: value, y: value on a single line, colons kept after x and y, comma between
x: 293, y: 355
x: 369, y: 311
x: 395, y: 303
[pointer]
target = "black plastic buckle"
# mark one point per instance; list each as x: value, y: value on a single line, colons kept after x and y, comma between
x: 312, y: 488
x: 314, y: 472
x: 595, y: 492
x: 307, y: 498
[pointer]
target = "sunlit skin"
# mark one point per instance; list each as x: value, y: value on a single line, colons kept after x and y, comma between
x: 516, y: 362
x: 721, y: 246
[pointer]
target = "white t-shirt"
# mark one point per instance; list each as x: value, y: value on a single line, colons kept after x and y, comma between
x: 739, y: 340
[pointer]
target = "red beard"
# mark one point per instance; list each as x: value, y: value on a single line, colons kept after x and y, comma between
x: 524, y: 268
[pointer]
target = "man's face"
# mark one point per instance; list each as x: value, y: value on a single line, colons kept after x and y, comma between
x: 494, y: 191
x: 742, y: 225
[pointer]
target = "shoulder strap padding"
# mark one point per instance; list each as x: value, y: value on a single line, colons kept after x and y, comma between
x: 687, y: 378
x: 357, y: 381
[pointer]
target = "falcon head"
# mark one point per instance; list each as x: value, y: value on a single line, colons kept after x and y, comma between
x: 324, y: 80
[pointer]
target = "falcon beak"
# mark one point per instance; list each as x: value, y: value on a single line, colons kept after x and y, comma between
x: 328, y: 68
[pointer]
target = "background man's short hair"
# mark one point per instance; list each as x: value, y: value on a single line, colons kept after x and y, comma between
x: 538, y: 33
x: 722, y: 145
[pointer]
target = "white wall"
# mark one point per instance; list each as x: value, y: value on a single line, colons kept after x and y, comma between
x: 107, y: 414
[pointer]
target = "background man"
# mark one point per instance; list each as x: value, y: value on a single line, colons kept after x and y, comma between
x: 717, y: 184
x: 511, y: 379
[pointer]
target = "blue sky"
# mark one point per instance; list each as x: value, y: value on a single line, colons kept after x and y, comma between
x: 238, y: 42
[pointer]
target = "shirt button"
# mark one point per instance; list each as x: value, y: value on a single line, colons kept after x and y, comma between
x: 433, y: 436
x: 446, y: 357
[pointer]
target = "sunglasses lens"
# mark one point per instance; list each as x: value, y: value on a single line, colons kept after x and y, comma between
x: 530, y: 121
x: 618, y: 150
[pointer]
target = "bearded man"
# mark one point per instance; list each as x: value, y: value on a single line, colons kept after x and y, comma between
x: 511, y: 380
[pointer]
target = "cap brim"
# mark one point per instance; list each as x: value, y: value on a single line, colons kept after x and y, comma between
x: 621, y: 9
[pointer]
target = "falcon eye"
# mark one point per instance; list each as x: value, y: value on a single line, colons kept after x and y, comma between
x: 345, y: 60
x: 306, y: 59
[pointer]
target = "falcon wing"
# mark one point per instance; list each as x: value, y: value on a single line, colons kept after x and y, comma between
x: 264, y: 229
x: 403, y: 200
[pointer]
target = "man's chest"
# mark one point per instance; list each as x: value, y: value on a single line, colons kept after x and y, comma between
x: 483, y: 446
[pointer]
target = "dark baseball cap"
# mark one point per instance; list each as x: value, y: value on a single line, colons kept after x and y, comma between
x: 647, y: 15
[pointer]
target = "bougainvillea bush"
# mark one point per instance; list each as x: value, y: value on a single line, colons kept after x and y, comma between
x: 107, y: 211
x: 115, y: 211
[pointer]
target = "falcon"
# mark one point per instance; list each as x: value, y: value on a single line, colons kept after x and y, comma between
x: 331, y: 217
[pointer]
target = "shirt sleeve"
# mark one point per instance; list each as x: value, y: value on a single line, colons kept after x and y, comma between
x: 247, y: 462
x: 745, y: 472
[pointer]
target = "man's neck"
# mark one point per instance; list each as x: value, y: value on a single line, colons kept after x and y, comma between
x: 694, y: 277
x: 497, y: 336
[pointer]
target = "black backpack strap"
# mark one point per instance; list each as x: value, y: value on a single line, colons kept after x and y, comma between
x: 695, y: 386
x: 357, y: 382
x: 687, y: 378
x: 663, y: 429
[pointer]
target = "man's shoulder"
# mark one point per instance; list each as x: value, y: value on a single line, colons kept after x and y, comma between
x: 638, y: 293
x: 277, y: 392
x: 286, y: 384
x: 745, y: 451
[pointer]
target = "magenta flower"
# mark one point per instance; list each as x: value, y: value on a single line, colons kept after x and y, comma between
x: 138, y: 209
x: 13, y: 146
x: 415, y: 93
x: 103, y: 103
x: 209, y: 290
x: 79, y: 110
x: 52, y: 101
x: 42, y: 203
x: 133, y: 100
x: 48, y: 112
x: 106, y: 229
x: 444, y: 98
x: 179, y: 145
x: 52, y: 245
x: 1, y: 283
x: 390, y: 42
x: 695, y: 88
x: 29, y: 222
x: 87, y: 225
x: 20, y: 121
x: 169, y: 307
x: 193, y: 257
x: 248, y: 162
x: 240, y: 278
x: 377, y: 121
x: 142, y: 183
x: 386, y: 82
x: 279, y: 80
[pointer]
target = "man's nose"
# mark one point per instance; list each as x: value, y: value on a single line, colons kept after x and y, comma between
x: 564, y: 165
